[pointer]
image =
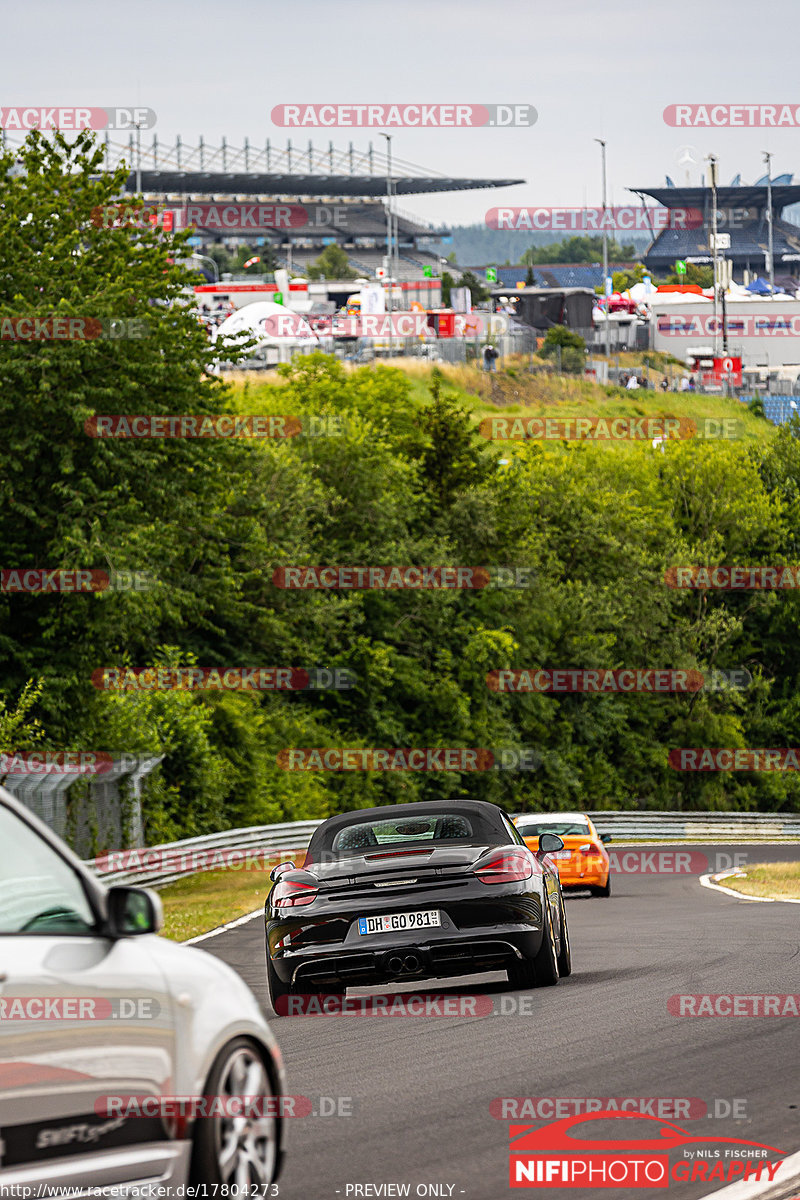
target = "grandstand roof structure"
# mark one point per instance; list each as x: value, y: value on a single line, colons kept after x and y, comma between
x: 744, y: 196
x: 742, y: 212
x: 268, y: 170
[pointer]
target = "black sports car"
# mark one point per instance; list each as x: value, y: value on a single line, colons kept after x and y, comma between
x: 414, y: 891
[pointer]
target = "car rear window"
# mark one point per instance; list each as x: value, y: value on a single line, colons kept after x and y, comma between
x: 438, y: 827
x: 446, y: 823
x: 562, y: 828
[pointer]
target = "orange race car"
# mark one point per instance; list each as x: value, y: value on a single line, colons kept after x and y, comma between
x: 584, y: 861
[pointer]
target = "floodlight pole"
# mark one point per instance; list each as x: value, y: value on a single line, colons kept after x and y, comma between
x: 138, y: 159
x: 606, y: 298
x: 388, y: 137
x: 768, y: 161
x: 713, y: 168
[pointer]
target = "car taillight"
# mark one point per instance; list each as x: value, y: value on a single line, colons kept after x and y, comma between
x: 588, y: 848
x: 288, y: 893
x: 504, y: 868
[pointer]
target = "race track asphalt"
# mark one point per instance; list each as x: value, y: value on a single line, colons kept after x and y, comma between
x: 419, y: 1088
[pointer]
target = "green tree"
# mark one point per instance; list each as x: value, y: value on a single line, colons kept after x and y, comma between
x: 332, y: 264
x: 478, y: 290
x: 579, y: 249
x: 702, y: 276
x: 71, y: 500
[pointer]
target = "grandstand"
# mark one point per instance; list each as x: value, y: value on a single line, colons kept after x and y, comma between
x: 780, y: 409
x: 343, y: 180
x: 556, y: 275
x: 365, y: 261
x: 743, y: 213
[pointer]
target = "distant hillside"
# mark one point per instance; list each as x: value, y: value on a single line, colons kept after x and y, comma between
x: 477, y: 245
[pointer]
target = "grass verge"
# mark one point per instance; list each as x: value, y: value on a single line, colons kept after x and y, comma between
x: 516, y: 392
x: 772, y: 881
x: 208, y: 899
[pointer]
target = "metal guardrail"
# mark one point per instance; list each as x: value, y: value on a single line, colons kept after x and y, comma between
x: 697, y: 825
x: 163, y: 864
x: 174, y: 860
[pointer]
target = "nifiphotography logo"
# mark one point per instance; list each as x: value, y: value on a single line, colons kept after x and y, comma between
x: 550, y: 1157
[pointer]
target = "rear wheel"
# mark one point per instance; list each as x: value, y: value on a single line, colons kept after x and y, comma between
x: 542, y: 969
x: 278, y: 990
x: 565, y: 954
x: 239, y: 1150
x: 605, y: 892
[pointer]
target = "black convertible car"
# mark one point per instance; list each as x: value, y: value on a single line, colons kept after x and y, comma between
x: 414, y: 891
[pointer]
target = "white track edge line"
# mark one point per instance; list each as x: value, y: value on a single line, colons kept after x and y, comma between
x: 710, y: 881
x: 201, y: 937
x: 743, y: 1189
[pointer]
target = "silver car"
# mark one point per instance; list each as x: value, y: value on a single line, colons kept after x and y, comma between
x: 104, y: 1027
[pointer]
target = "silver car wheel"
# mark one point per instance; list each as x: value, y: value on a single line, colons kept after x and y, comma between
x: 245, y: 1145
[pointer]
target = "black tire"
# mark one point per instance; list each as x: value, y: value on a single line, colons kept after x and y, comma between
x: 521, y: 975
x: 542, y: 969
x: 278, y: 990
x: 565, y: 954
x: 221, y: 1154
x: 604, y: 892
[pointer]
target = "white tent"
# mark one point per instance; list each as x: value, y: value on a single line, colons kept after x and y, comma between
x: 277, y: 339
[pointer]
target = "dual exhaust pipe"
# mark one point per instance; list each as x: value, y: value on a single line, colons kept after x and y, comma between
x: 403, y: 964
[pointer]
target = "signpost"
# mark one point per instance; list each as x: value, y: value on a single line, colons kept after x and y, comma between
x: 680, y: 267
x: 427, y: 272
x: 491, y: 275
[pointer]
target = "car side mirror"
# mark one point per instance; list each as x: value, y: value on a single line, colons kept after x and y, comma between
x: 133, y: 911
x: 606, y: 838
x: 549, y: 843
x: 281, y: 869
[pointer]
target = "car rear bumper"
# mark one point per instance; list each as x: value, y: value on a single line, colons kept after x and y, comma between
x: 588, y: 874
x: 394, y: 959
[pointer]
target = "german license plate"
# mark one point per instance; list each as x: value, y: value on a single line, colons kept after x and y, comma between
x: 394, y: 922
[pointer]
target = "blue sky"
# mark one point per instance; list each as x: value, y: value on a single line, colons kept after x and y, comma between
x: 602, y: 69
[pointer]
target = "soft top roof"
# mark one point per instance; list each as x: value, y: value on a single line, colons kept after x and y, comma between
x: 490, y: 814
